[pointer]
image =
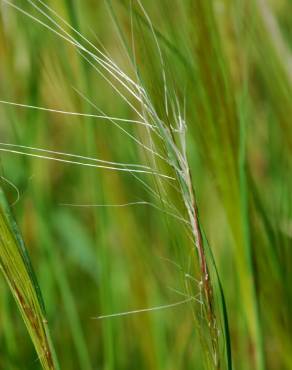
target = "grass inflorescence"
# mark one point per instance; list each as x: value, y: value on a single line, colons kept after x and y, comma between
x: 148, y: 145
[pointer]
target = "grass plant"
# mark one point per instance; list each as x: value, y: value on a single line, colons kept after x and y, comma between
x: 146, y: 155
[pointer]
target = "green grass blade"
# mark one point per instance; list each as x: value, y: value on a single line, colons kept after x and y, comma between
x: 17, y: 270
x: 223, y: 304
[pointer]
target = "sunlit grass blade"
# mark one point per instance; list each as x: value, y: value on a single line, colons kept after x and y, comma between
x: 17, y: 270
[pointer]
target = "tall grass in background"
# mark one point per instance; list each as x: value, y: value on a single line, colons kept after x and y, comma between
x: 146, y: 156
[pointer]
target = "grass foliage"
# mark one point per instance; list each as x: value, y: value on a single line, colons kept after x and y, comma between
x: 146, y: 155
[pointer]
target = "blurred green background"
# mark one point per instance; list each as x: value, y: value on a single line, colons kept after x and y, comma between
x: 230, y: 64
